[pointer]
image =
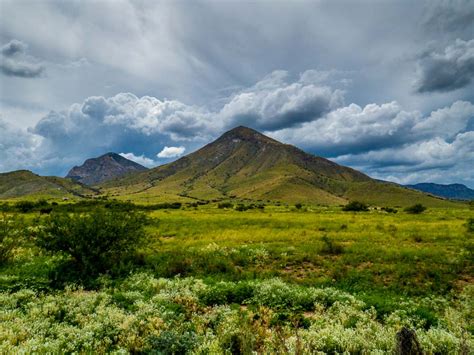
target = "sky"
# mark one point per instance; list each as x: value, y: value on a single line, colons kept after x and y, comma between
x: 386, y: 87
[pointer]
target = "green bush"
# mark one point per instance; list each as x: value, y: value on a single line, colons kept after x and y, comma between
x: 356, y: 206
x: 415, y: 209
x: 25, y: 206
x: 331, y: 247
x: 11, y: 231
x: 96, y: 242
x: 389, y: 210
x: 225, y: 205
x: 470, y: 225
x: 241, y: 207
x: 298, y: 206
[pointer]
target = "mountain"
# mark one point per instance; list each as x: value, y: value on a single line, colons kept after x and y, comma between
x: 451, y: 191
x: 103, y: 168
x: 24, y: 183
x: 246, y: 164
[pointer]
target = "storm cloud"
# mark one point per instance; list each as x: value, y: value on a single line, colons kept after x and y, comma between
x: 448, y: 70
x: 14, y: 61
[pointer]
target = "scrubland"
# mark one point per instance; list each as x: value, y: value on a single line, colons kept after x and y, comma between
x: 209, y: 278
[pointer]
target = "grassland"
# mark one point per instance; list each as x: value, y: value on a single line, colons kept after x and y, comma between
x: 280, y: 279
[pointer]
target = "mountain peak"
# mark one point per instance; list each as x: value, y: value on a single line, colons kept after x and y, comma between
x: 247, y: 134
x: 106, y: 167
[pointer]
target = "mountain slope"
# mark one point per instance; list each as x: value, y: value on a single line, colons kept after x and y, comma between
x: 24, y: 183
x: 103, y: 168
x: 244, y: 163
x: 451, y: 191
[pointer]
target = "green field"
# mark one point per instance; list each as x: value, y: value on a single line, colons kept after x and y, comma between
x: 277, y: 279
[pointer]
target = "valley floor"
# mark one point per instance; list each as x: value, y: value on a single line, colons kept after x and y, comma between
x: 275, y: 280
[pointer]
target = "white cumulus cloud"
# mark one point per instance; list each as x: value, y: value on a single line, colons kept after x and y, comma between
x: 171, y: 152
x: 140, y: 159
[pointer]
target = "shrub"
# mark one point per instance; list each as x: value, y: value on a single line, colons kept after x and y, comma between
x: 25, y: 206
x: 96, y: 242
x: 470, y: 225
x: 389, y: 210
x: 356, y: 206
x: 330, y: 247
x: 241, y: 207
x: 298, y: 206
x: 11, y: 229
x: 225, y: 205
x: 415, y: 209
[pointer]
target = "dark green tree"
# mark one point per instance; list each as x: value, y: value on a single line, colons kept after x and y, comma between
x: 356, y: 206
x: 96, y: 242
x: 416, y: 209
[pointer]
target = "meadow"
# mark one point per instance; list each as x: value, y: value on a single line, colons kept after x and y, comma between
x: 239, y: 277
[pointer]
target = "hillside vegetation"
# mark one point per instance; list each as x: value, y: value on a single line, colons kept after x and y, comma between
x: 24, y: 183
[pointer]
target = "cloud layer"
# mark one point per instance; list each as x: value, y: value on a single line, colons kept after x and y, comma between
x: 386, y: 87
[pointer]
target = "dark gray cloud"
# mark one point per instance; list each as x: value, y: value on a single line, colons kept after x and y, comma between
x: 14, y: 61
x: 274, y: 103
x: 448, y: 70
x: 454, y: 16
x: 12, y: 48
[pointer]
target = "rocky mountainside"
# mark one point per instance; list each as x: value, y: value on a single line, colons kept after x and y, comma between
x: 103, y: 168
x: 451, y: 191
x: 244, y: 163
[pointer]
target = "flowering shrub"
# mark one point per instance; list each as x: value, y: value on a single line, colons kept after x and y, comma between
x: 146, y: 314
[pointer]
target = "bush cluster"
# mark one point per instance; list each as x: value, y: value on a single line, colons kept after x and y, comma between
x: 356, y: 206
x: 242, y: 207
x: 46, y: 207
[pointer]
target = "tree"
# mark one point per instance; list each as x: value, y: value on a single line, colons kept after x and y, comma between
x: 416, y: 209
x: 356, y: 206
x: 96, y: 241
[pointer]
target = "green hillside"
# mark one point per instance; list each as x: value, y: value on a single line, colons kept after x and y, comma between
x: 24, y: 183
x: 245, y: 164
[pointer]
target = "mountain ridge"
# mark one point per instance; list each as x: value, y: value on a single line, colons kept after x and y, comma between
x: 450, y: 191
x: 105, y: 167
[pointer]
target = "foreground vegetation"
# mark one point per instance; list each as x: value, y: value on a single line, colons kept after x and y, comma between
x: 234, y: 277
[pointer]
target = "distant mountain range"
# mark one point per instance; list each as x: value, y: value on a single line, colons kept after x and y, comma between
x: 242, y: 163
x: 106, y: 167
x: 451, y: 191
